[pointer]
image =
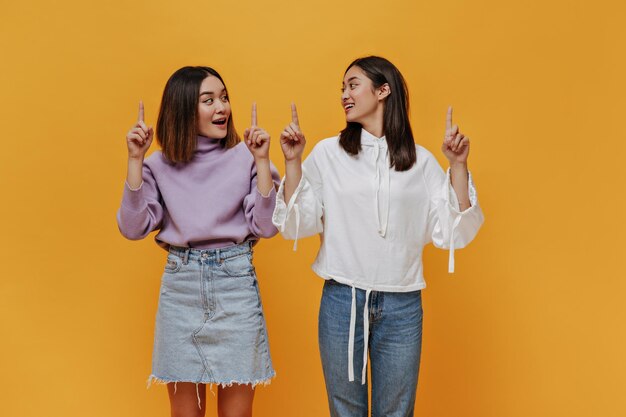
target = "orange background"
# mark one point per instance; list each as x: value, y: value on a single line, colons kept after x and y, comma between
x: 532, y: 323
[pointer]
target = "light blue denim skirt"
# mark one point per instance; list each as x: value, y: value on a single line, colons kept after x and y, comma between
x: 210, y: 327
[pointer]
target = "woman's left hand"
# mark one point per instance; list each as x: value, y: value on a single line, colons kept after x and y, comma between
x: 257, y: 139
x: 455, y: 144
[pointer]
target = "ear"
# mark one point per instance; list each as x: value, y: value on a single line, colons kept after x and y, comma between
x: 383, y: 91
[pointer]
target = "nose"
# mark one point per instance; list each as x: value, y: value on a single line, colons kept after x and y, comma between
x: 344, y: 95
x: 220, y: 106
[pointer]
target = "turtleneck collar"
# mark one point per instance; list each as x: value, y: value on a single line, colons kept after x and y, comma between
x: 206, y: 145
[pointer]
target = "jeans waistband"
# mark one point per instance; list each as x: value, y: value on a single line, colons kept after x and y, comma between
x: 217, y: 255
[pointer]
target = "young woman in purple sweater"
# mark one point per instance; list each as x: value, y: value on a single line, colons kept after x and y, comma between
x: 211, y: 199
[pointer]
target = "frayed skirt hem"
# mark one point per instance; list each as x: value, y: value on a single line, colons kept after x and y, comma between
x: 153, y: 379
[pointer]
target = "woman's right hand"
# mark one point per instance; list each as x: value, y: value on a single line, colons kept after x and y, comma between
x: 292, y: 140
x: 139, y: 137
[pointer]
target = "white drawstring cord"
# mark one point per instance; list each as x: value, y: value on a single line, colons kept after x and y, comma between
x: 296, y: 210
x: 366, y: 335
x: 351, y: 337
x: 451, y: 257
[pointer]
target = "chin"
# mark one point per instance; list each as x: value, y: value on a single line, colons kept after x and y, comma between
x: 216, y: 134
x: 352, y: 118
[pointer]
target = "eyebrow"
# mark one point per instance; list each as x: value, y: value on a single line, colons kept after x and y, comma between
x: 211, y: 93
x: 353, y: 78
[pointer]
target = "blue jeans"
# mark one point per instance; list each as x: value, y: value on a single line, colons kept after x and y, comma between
x: 395, y: 341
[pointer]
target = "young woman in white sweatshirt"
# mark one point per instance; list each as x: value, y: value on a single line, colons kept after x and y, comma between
x: 376, y: 198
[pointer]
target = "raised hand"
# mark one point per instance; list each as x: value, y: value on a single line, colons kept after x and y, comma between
x: 292, y: 140
x: 256, y: 138
x: 139, y: 137
x: 455, y: 144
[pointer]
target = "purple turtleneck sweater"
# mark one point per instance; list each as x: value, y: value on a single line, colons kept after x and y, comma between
x: 210, y: 202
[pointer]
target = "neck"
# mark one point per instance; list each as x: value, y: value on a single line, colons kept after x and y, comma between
x: 374, y: 123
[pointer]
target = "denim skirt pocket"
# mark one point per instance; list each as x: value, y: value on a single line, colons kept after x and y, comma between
x: 238, y: 266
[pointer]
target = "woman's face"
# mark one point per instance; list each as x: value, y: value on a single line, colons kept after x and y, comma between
x: 213, y: 109
x: 360, y: 101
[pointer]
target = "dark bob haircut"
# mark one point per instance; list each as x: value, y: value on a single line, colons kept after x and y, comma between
x: 177, y: 126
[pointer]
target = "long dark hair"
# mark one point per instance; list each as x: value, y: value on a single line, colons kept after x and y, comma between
x: 396, y: 125
x: 177, y: 125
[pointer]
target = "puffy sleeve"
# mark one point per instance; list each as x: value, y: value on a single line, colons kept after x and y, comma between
x: 303, y: 215
x: 258, y: 208
x: 449, y: 227
x: 141, y: 210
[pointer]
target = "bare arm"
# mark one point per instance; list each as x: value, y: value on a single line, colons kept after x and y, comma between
x: 456, y: 148
x: 138, y: 140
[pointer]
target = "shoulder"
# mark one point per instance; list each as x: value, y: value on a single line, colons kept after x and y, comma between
x: 240, y: 147
x: 424, y: 156
x: 240, y: 150
x: 238, y: 155
x: 323, y: 152
x: 241, y: 157
x: 327, y: 147
x: 328, y: 143
x: 156, y: 161
x: 427, y: 163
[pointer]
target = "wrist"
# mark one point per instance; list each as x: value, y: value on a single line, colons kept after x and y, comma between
x: 458, y: 166
x: 262, y: 160
x: 293, y: 161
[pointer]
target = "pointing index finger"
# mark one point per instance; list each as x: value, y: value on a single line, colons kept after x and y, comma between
x: 254, y: 114
x: 449, y: 118
x: 140, y: 117
x: 294, y: 114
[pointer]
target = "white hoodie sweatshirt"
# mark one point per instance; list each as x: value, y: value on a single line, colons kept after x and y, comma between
x: 375, y: 221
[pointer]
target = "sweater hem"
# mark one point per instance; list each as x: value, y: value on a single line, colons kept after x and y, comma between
x: 354, y: 283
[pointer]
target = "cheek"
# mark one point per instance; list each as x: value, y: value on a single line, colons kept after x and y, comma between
x: 204, y: 120
x: 358, y: 95
x: 366, y: 98
x: 358, y: 100
x: 205, y: 113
